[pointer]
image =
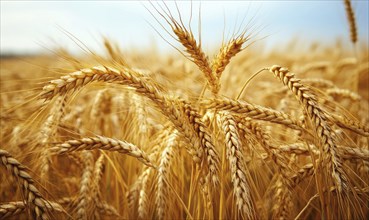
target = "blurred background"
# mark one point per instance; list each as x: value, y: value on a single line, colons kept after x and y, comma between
x: 31, y: 27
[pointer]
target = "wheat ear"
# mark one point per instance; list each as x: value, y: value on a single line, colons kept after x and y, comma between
x: 104, y: 143
x: 235, y: 158
x: 162, y: 188
x: 11, y: 209
x: 344, y: 93
x: 251, y: 127
x: 349, y: 124
x: 106, y: 209
x: 97, y: 175
x: 306, y: 171
x: 33, y: 197
x: 253, y: 111
x: 48, y: 130
x: 84, y: 198
x: 319, y: 120
x: 194, y: 49
x: 129, y: 77
x: 346, y: 153
x: 282, y: 197
x: 352, y: 21
x: 224, y: 56
x: 211, y: 154
x: 143, y: 197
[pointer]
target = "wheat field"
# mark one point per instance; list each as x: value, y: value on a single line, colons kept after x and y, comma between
x: 231, y: 134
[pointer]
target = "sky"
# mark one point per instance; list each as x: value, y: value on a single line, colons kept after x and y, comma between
x: 38, y: 26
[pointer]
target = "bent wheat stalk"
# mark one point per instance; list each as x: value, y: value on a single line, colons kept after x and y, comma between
x: 319, y: 120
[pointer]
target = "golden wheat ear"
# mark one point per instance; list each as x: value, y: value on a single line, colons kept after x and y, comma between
x: 225, y: 54
x: 327, y: 140
x: 192, y: 48
x: 34, y: 200
x: 352, y: 21
x: 256, y: 112
x: 238, y: 170
x: 103, y: 143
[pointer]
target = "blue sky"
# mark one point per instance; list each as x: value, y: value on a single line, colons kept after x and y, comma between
x: 32, y: 26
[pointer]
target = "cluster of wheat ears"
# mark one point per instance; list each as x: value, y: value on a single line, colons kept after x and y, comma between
x: 157, y: 137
